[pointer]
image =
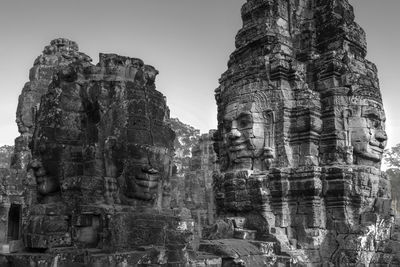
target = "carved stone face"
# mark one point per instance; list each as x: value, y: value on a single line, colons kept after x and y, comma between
x: 243, y: 135
x: 46, y: 185
x: 143, y: 184
x: 146, y: 171
x: 368, y: 136
x: 149, y: 143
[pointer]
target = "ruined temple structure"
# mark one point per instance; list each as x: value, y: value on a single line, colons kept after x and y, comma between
x: 194, y: 164
x: 198, y: 183
x: 94, y: 161
x: 301, y: 131
x: 299, y: 146
x: 18, y: 184
x: 186, y: 138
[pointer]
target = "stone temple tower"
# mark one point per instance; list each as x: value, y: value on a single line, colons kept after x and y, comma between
x: 301, y: 132
x: 92, y: 166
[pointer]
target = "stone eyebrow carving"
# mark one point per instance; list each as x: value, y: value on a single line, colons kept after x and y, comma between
x: 373, y: 113
x: 245, y: 115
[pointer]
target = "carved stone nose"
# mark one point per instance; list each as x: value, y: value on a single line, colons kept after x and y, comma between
x: 234, y: 133
x: 381, y: 136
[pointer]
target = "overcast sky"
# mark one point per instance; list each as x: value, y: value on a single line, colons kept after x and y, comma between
x: 188, y: 41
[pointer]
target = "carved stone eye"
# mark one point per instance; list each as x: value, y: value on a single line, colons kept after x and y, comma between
x: 374, y: 120
x: 245, y: 121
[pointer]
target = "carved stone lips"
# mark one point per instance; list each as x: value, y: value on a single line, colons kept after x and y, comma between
x: 149, y: 170
x: 377, y: 147
x: 147, y: 184
x: 237, y: 146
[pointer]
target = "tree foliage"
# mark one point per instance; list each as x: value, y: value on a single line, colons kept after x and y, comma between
x: 392, y: 159
x: 392, y: 156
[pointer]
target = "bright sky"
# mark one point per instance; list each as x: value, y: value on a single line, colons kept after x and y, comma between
x: 188, y: 41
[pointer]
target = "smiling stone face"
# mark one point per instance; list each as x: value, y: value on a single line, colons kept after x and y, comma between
x: 368, y: 136
x: 243, y: 135
x: 143, y: 185
x: 145, y: 173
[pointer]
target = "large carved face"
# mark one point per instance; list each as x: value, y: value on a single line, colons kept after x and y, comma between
x: 243, y: 135
x: 149, y: 147
x: 367, y: 129
x: 47, y: 185
x: 146, y: 172
x: 144, y: 183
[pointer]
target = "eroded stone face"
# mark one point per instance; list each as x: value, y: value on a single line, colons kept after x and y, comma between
x: 101, y: 135
x: 46, y: 185
x: 367, y: 129
x: 146, y: 174
x: 100, y: 143
x: 243, y: 134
